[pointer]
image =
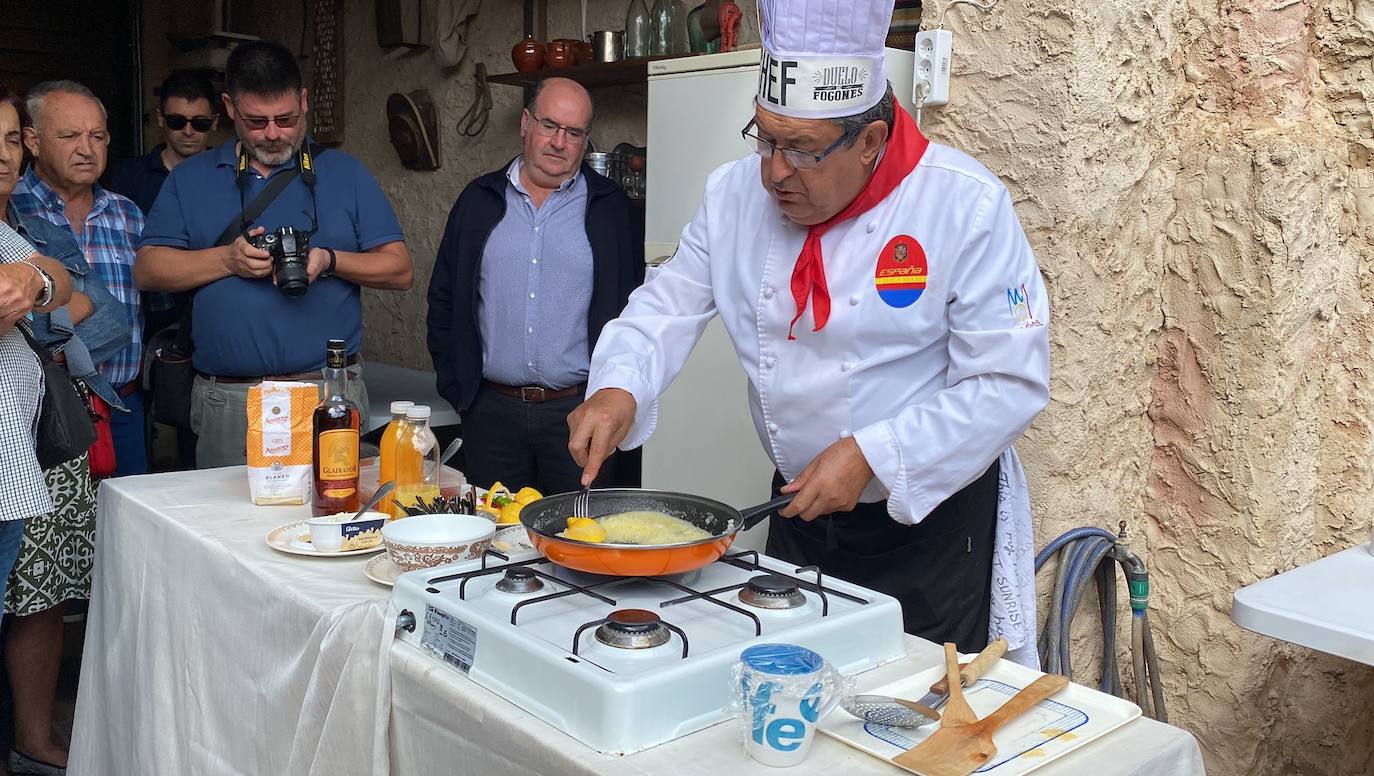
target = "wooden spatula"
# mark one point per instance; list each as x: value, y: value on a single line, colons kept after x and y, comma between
x: 957, y: 712
x: 961, y: 750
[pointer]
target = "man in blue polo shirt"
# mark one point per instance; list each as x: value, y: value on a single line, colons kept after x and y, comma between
x: 243, y: 328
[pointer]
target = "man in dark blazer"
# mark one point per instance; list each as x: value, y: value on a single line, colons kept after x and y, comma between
x: 536, y: 258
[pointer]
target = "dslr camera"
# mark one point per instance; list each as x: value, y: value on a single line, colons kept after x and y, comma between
x: 290, y: 251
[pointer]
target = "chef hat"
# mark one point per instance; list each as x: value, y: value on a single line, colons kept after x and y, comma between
x: 822, y: 58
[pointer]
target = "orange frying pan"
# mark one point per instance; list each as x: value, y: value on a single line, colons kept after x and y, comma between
x: 546, y: 517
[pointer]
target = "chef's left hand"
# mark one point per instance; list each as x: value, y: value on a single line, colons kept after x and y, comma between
x: 832, y: 482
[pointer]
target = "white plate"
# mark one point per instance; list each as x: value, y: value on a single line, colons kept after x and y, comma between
x: 511, y: 538
x: 294, y: 538
x: 381, y: 570
x: 1050, y: 730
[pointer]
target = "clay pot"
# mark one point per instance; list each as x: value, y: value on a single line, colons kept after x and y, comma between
x: 560, y: 53
x: 582, y: 52
x: 528, y: 54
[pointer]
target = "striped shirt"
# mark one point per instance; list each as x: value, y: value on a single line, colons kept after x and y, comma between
x: 535, y: 288
x: 108, y: 239
x: 23, y: 492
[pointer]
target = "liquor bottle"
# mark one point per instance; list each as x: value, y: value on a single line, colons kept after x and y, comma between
x: 335, y: 425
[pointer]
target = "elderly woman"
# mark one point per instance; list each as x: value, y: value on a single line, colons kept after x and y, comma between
x: 28, y: 282
x: 55, y: 555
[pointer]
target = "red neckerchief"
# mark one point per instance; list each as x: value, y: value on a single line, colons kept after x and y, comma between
x: 904, y: 150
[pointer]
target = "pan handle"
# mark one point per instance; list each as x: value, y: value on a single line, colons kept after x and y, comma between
x: 755, y: 515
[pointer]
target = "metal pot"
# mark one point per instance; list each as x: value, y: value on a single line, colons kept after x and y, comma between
x: 608, y: 46
x: 547, y: 516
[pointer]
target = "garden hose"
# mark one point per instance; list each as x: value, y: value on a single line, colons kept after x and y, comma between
x: 1085, y: 553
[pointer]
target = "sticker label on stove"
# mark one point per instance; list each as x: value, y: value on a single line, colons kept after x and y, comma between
x: 449, y: 639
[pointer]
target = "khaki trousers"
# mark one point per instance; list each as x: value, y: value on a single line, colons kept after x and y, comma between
x: 219, y: 416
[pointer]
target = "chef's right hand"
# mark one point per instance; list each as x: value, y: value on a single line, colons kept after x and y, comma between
x: 596, y: 427
x: 248, y: 261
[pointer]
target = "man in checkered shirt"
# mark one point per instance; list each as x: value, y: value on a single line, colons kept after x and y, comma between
x: 69, y: 141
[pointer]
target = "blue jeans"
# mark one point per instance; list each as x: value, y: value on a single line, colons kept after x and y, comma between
x: 130, y: 442
x: 11, y: 532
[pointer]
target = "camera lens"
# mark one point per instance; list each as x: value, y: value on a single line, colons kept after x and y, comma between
x: 291, y: 274
x: 290, y: 257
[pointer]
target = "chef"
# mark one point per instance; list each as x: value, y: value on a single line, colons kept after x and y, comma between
x: 890, y: 316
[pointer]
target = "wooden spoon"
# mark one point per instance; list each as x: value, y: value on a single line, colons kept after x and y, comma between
x: 957, y: 712
x: 959, y: 751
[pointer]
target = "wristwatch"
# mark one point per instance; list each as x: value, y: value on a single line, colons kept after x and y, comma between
x: 49, y: 288
x: 329, y: 271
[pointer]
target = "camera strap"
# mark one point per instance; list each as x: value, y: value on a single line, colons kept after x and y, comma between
x: 305, y: 169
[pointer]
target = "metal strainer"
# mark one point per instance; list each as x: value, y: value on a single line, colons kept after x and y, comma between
x: 893, y: 712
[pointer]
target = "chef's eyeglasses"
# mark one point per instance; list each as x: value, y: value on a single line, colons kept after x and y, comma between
x: 801, y: 160
x: 550, y: 128
x: 176, y: 122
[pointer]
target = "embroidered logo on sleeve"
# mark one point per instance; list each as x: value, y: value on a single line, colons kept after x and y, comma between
x: 1018, y: 300
x: 900, y: 276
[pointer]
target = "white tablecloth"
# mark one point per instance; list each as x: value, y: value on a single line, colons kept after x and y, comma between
x: 209, y: 653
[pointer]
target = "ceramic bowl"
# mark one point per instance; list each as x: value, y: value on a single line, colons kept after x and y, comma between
x: 332, y: 534
x: 423, y: 541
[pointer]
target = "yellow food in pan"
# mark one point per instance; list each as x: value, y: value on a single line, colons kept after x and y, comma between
x: 633, y: 528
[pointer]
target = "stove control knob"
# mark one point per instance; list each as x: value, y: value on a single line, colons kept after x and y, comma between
x: 405, y: 621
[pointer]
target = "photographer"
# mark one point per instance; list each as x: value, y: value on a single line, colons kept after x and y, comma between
x: 276, y: 265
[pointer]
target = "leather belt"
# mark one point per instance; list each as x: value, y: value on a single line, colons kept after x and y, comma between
x: 130, y: 388
x: 534, y: 394
x: 299, y: 376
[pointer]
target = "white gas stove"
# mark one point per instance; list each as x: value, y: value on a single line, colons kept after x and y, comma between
x: 623, y: 664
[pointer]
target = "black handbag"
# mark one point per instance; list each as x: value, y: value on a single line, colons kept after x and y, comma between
x: 169, y: 375
x: 66, y: 429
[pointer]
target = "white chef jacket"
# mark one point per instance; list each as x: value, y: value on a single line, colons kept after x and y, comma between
x: 932, y: 392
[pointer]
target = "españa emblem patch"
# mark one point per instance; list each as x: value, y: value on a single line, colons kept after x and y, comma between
x: 900, y: 276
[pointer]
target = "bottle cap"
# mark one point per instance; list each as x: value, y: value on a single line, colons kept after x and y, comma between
x: 400, y: 407
x: 336, y: 354
x: 418, y: 412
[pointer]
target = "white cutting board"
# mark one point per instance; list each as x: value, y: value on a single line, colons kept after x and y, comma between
x: 1047, y: 732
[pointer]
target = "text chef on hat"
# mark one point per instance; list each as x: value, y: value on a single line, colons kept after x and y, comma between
x: 890, y: 316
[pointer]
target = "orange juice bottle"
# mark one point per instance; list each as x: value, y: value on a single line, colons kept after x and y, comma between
x: 386, y: 458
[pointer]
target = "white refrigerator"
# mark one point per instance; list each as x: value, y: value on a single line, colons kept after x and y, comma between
x: 705, y: 441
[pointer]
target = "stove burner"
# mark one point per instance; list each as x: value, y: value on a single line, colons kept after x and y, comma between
x: 633, y: 629
x: 519, y: 580
x: 770, y: 591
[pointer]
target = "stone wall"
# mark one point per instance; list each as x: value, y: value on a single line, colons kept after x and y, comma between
x: 1195, y: 178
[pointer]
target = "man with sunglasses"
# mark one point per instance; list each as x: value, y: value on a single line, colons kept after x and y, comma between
x: 243, y: 329
x: 889, y: 314
x: 536, y: 258
x: 186, y: 114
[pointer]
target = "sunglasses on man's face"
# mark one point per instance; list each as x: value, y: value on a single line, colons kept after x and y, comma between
x: 177, y: 122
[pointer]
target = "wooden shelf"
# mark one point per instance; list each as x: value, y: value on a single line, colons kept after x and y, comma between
x: 592, y: 75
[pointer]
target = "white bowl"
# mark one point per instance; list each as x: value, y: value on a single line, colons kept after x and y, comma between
x: 423, y: 541
x: 332, y: 533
